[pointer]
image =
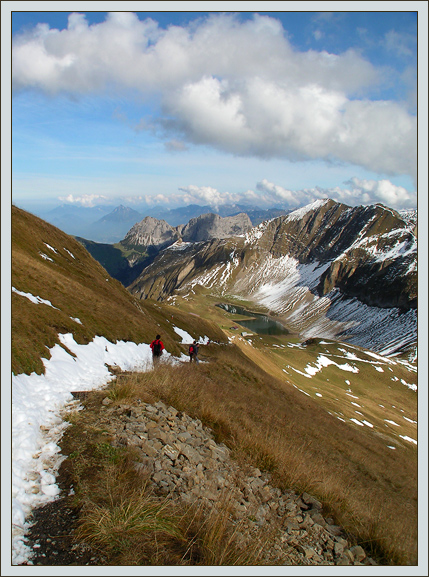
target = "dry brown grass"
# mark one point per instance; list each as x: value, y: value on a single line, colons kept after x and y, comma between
x: 127, y: 522
x: 370, y: 491
x: 78, y: 287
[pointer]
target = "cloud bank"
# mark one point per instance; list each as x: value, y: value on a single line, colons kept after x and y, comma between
x: 267, y: 194
x: 239, y: 87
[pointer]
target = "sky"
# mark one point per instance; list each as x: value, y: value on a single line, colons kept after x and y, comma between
x: 168, y: 108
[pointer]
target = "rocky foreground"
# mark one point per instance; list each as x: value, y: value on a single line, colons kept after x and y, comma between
x: 182, y: 460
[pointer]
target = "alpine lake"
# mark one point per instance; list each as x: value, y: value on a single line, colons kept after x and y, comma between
x: 258, y: 323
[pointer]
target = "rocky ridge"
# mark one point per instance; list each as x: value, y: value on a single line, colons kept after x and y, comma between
x: 326, y: 270
x: 180, y: 457
x: 154, y: 234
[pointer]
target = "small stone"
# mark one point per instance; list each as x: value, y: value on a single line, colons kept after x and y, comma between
x: 334, y: 530
x: 309, y: 500
x: 343, y: 560
x: 171, y: 452
x: 309, y: 552
x: 358, y: 553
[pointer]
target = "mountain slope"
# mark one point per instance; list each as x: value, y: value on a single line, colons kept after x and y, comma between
x: 59, y: 288
x: 364, y: 473
x: 326, y: 270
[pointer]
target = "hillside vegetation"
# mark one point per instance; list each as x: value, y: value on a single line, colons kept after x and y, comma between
x: 242, y: 390
x: 84, y: 299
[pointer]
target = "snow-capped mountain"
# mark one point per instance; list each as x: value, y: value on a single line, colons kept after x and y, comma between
x: 326, y: 270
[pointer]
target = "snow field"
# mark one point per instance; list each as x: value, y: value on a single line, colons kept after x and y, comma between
x: 38, y: 403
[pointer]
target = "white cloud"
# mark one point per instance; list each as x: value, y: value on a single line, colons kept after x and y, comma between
x: 87, y: 200
x: 267, y: 194
x: 207, y: 195
x: 356, y: 192
x: 239, y: 87
x: 401, y: 44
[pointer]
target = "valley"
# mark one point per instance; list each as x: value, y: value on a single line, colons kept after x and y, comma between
x: 321, y: 414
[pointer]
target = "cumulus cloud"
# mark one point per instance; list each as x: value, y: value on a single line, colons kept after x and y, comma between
x: 355, y: 192
x: 88, y: 200
x: 207, y: 195
x: 237, y: 86
x: 267, y: 194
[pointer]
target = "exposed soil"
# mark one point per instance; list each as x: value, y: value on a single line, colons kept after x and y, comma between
x: 52, y: 537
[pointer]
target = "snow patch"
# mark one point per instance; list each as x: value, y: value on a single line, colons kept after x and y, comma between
x: 37, y: 425
x: 323, y: 361
x: 409, y: 439
x: 34, y: 299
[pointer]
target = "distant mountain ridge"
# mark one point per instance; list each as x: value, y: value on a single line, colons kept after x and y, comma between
x: 152, y: 233
x: 326, y: 269
x: 102, y: 224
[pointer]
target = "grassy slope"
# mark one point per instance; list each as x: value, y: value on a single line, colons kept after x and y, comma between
x: 78, y: 287
x: 243, y: 393
x: 351, y: 467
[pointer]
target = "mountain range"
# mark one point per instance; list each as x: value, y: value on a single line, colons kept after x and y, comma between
x: 320, y: 415
x: 325, y: 270
x: 104, y: 225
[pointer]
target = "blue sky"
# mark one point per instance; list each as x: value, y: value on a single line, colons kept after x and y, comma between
x: 168, y: 108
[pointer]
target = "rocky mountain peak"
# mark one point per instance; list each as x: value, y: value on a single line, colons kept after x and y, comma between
x: 151, y: 232
x: 210, y: 226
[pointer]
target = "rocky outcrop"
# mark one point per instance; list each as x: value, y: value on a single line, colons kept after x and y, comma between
x: 151, y: 233
x: 210, y: 226
x: 181, y: 459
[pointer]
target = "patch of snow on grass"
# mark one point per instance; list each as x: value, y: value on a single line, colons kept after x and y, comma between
x: 72, y: 255
x: 323, y: 361
x: 33, y: 299
x: 357, y: 422
x: 409, y: 439
x: 300, y: 373
x: 392, y: 423
x: 410, y: 386
x: 37, y: 425
x: 410, y: 420
x: 186, y: 337
x: 50, y: 247
x: 45, y: 256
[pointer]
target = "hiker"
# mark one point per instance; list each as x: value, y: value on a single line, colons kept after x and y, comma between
x: 157, y: 348
x: 193, y: 352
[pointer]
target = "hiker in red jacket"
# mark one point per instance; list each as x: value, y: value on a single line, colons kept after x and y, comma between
x: 193, y: 352
x: 157, y: 347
